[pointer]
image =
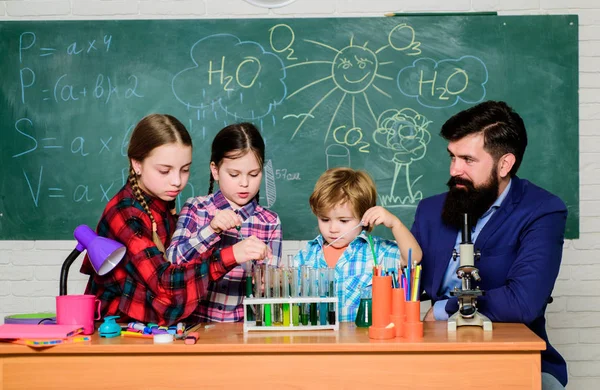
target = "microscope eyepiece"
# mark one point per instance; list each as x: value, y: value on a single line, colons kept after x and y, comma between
x: 466, y: 230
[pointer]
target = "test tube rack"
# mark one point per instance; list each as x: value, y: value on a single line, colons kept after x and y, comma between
x: 251, y: 325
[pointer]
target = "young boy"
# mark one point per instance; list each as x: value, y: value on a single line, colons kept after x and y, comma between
x: 344, y: 202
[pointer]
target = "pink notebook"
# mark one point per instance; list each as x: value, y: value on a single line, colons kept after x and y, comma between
x: 26, y: 331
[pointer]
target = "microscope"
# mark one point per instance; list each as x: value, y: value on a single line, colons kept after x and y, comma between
x: 467, y: 313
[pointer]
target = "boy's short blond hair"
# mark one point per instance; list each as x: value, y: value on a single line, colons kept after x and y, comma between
x: 337, y: 186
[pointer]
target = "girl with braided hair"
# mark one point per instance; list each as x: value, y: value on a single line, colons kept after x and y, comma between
x: 144, y: 286
x: 230, y: 215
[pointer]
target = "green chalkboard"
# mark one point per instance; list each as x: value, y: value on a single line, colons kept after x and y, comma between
x: 324, y: 92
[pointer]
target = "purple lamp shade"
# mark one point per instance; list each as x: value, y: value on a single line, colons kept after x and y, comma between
x: 104, y: 253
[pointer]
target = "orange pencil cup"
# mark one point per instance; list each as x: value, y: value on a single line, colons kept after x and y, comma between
x: 382, y: 309
x: 413, y: 327
x: 398, y: 316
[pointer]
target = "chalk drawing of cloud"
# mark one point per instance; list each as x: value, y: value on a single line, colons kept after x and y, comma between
x: 440, y: 84
x: 235, y: 76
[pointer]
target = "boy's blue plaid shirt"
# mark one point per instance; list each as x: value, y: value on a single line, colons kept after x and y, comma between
x: 354, y: 269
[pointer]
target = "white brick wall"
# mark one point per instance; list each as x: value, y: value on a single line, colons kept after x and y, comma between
x: 29, y: 269
x: 191, y: 8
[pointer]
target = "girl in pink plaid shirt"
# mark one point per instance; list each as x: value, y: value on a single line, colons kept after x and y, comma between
x: 221, y: 219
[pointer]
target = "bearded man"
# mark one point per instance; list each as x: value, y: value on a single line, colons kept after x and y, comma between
x: 517, y: 227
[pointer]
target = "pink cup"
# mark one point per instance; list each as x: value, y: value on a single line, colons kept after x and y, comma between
x: 78, y: 310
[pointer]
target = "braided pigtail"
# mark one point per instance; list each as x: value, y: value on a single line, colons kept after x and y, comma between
x: 140, y: 198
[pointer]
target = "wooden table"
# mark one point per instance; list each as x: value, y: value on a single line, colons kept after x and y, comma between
x: 224, y: 357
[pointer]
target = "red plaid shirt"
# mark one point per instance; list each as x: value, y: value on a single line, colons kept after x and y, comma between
x: 144, y: 286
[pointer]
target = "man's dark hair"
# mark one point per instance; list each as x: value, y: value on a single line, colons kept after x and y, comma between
x: 503, y: 130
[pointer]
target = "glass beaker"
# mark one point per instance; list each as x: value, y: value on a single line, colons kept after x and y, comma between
x: 364, y: 315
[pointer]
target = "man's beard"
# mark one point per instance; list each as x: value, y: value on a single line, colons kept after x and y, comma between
x: 472, y: 200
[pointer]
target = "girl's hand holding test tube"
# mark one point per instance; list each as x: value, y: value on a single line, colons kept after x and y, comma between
x: 251, y: 249
x: 225, y: 220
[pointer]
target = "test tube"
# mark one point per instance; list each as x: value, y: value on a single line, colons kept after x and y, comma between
x: 258, y: 294
x: 305, y: 284
x: 331, y: 294
x: 268, y: 289
x: 248, y: 272
x: 314, y: 292
x: 285, y: 293
x: 295, y: 292
x: 288, y: 286
x: 277, y: 320
x: 323, y: 291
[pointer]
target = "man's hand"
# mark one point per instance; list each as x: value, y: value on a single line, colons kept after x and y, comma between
x: 429, y: 315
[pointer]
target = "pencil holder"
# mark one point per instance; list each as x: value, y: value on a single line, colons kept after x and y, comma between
x: 413, y: 327
x: 382, y: 309
x: 413, y: 331
x: 413, y: 311
x: 398, y: 316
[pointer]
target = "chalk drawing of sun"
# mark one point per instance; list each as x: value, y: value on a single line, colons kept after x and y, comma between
x: 356, y: 75
x: 354, y: 72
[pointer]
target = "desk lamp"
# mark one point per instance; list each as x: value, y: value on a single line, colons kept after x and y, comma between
x: 467, y: 313
x: 104, y: 253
